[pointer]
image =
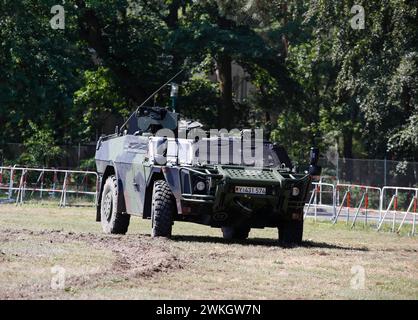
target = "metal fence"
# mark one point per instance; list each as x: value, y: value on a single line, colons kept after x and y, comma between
x: 67, y: 187
x: 370, y: 172
x: 374, y: 206
x: 378, y: 173
x: 390, y: 207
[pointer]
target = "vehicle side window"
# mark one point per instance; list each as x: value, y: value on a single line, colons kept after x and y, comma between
x: 283, y: 156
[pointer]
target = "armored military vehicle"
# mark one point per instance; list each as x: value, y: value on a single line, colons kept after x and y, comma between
x: 168, y: 178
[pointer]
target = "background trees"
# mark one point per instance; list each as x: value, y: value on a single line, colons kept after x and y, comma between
x: 376, y: 80
x: 317, y: 80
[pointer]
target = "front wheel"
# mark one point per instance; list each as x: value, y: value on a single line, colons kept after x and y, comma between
x: 112, y: 221
x: 291, y: 232
x: 163, y: 209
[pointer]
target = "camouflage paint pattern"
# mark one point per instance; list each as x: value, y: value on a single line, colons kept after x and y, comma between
x: 131, y: 157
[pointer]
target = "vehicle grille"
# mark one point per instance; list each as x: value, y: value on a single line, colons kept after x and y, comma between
x: 250, y: 174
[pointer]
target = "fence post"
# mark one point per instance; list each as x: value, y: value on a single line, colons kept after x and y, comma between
x: 320, y: 193
x: 358, y: 211
x: 338, y: 194
x: 334, y: 204
x: 415, y: 213
x: 11, y: 182
x: 340, y: 207
x: 306, y: 212
x: 63, y: 200
x: 96, y: 197
x: 316, y: 202
x: 348, y: 204
x: 411, y: 204
x: 21, y: 190
x: 24, y: 184
x: 395, y: 206
x: 366, y: 205
x: 381, y: 203
x: 54, y: 183
x: 42, y: 184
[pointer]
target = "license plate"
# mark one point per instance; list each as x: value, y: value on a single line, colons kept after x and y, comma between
x: 250, y: 190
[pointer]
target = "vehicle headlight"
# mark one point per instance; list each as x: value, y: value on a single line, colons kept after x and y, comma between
x: 200, y: 186
x: 295, y: 191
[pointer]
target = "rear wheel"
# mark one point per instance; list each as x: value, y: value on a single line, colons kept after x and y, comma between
x: 291, y: 232
x: 235, y: 233
x: 163, y: 209
x: 111, y: 220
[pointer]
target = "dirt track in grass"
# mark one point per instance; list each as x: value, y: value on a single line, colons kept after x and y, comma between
x: 196, y: 263
x: 132, y: 257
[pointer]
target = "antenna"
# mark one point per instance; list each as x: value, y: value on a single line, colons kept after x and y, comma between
x: 142, y: 104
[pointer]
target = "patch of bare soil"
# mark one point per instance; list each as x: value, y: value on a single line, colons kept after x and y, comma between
x: 136, y: 257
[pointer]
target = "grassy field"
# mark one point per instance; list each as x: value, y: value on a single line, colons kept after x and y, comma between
x: 197, y: 263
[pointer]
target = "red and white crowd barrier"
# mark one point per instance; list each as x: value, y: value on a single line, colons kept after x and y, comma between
x: 367, y: 203
x: 18, y: 181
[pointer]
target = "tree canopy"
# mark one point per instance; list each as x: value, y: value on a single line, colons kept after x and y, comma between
x: 317, y: 79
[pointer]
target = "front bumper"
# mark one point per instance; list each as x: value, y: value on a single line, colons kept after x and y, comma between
x: 224, y: 206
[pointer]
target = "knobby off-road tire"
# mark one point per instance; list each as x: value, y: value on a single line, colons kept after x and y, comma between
x: 291, y: 232
x: 235, y: 233
x: 112, y: 221
x: 163, y: 209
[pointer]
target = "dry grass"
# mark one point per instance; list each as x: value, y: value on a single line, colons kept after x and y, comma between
x: 196, y: 263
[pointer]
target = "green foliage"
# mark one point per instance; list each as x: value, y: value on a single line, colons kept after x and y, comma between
x: 201, y: 97
x: 377, y: 78
x: 41, y: 148
x: 39, y: 68
x: 96, y: 101
x: 317, y: 81
x: 88, y: 164
x: 290, y: 132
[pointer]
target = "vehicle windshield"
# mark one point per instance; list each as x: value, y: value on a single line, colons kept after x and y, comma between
x: 235, y: 152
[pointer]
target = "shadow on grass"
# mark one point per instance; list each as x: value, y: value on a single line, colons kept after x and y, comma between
x: 264, y: 242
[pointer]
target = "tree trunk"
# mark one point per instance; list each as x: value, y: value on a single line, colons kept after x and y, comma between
x: 172, y: 18
x: 348, y: 154
x: 348, y: 144
x: 90, y: 30
x: 224, y: 66
x: 225, y: 111
x: 172, y: 21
